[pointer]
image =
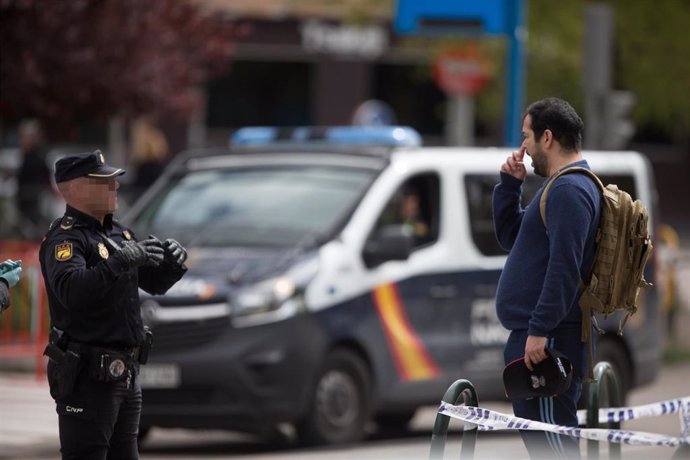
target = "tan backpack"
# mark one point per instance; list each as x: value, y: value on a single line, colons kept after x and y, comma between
x: 623, y: 247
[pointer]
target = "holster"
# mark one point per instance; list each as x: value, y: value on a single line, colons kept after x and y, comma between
x: 67, y: 369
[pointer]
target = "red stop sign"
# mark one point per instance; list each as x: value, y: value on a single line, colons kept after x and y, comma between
x: 458, y: 73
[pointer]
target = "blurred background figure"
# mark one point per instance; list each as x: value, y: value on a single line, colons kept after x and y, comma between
x: 34, y: 187
x: 374, y: 112
x: 669, y: 254
x: 149, y: 153
x: 411, y: 214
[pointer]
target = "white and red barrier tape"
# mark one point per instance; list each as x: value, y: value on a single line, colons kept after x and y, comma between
x: 487, y: 420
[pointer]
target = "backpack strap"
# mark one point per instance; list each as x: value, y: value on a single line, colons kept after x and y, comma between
x: 586, y: 337
x: 573, y: 169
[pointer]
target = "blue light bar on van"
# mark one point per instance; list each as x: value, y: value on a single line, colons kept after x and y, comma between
x: 394, y: 136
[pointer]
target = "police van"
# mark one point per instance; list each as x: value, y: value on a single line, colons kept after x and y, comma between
x: 341, y: 276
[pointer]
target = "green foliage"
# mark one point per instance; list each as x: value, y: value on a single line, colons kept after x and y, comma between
x: 651, y: 57
x: 555, y: 51
x: 653, y: 60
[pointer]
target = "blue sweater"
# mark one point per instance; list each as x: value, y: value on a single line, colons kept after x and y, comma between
x: 539, y: 286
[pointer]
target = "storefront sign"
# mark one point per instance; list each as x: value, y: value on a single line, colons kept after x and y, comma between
x: 364, y: 41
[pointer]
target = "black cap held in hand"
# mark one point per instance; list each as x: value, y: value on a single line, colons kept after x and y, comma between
x: 90, y: 164
x: 550, y: 377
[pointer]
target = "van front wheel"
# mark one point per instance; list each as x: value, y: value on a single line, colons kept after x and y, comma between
x: 613, y: 351
x: 339, y: 406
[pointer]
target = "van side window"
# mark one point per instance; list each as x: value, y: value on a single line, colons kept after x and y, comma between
x: 414, y: 206
x: 480, y: 188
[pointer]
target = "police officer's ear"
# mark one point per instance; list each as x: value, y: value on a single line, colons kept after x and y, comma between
x: 63, y: 188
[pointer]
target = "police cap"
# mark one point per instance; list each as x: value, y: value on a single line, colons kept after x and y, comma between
x: 90, y: 164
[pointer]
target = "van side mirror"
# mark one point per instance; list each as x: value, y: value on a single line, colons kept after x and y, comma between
x: 391, y: 242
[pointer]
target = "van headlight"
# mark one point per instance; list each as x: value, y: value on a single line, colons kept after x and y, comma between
x: 274, y: 299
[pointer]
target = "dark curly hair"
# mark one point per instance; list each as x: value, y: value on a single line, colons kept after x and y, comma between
x: 558, y: 116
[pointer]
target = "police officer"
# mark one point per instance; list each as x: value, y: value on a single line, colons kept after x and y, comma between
x: 93, y: 267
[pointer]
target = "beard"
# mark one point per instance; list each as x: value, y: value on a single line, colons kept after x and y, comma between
x: 539, y: 164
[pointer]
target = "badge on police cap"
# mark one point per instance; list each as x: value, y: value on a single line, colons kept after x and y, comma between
x: 103, y: 251
x: 63, y: 251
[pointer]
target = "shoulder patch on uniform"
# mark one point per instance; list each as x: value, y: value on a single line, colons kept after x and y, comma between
x: 63, y: 251
x: 67, y: 222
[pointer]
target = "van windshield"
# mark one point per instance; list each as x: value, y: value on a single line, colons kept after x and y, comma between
x: 255, y: 206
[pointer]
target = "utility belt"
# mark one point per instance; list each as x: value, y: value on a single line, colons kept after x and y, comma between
x: 103, y: 364
x: 106, y: 365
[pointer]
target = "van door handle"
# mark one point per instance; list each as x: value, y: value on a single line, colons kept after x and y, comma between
x: 443, y: 291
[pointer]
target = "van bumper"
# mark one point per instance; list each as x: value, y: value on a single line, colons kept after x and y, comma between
x: 247, y: 379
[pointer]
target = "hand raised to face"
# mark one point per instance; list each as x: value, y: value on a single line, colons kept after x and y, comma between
x: 514, y: 164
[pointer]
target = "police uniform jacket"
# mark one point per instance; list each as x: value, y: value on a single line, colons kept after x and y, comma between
x: 93, y: 296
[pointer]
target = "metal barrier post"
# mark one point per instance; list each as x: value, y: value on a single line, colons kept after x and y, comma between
x: 454, y: 394
x: 604, y: 374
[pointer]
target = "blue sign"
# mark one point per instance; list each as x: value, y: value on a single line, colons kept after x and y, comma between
x: 478, y: 17
x: 437, y: 16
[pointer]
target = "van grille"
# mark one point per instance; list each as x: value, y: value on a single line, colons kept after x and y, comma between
x: 186, y: 334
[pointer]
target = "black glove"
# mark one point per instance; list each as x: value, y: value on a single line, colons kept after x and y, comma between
x: 142, y: 253
x: 174, y: 252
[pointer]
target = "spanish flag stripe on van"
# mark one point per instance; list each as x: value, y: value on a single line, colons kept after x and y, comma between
x: 411, y: 357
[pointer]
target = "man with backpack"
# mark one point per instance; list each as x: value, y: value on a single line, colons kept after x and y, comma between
x: 539, y: 289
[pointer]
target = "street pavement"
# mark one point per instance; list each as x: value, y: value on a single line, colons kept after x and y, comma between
x: 27, y: 415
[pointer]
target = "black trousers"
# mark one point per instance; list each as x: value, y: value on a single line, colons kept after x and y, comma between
x: 557, y: 410
x: 99, y: 420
